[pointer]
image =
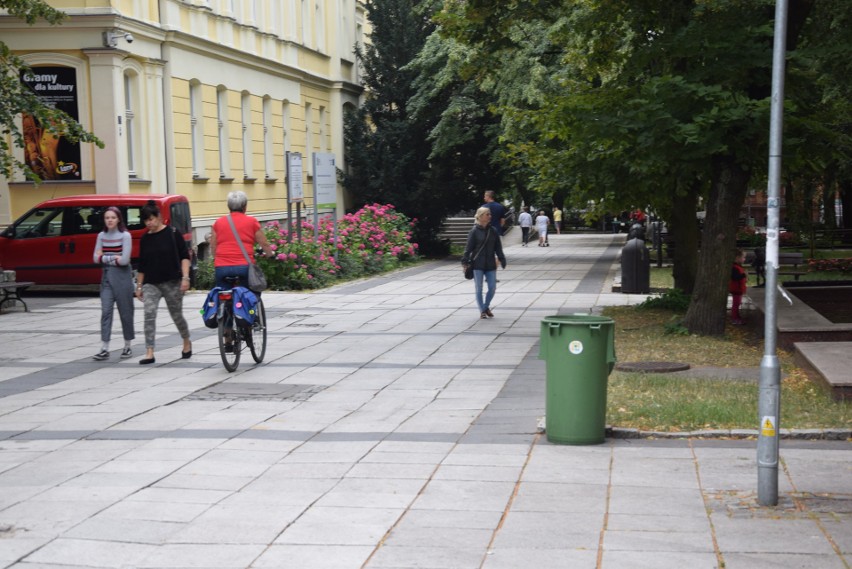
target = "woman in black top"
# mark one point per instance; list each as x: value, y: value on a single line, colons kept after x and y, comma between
x: 163, y: 273
x: 483, y: 250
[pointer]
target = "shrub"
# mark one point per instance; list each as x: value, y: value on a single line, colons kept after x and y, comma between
x: 673, y: 299
x: 374, y: 239
x: 843, y: 265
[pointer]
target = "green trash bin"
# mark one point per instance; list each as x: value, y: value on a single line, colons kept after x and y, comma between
x: 579, y: 351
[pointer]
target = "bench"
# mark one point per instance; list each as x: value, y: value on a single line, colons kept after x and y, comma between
x: 11, y: 291
x: 757, y: 259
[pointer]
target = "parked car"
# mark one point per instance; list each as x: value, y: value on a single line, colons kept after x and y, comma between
x: 53, y: 242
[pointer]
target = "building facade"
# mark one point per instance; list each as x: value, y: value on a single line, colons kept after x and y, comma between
x: 194, y: 97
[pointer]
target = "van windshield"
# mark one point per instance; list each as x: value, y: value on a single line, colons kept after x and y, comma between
x: 41, y: 222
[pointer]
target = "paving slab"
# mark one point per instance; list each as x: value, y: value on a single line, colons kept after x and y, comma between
x: 389, y: 426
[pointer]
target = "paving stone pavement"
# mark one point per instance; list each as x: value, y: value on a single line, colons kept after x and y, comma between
x: 389, y: 427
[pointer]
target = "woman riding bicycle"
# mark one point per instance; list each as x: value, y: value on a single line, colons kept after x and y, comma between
x: 228, y: 257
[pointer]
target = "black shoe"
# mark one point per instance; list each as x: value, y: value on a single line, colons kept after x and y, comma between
x: 489, y: 313
x: 146, y: 361
x: 101, y: 356
x: 126, y: 353
x: 186, y: 355
x: 229, y: 348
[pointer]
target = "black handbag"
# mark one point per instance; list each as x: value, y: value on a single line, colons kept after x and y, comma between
x: 256, y: 278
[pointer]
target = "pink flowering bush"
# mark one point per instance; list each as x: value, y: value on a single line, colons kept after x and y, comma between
x: 842, y: 265
x: 374, y: 239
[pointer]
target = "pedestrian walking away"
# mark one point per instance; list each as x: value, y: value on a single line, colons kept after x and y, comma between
x: 482, y: 251
x: 498, y: 212
x: 525, y: 221
x: 112, y: 252
x: 163, y: 273
x: 541, y: 223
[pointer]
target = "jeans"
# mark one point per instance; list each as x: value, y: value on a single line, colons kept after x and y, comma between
x: 491, y: 280
x: 232, y: 271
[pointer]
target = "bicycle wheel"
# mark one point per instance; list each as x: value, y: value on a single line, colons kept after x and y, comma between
x: 256, y: 335
x: 230, y: 358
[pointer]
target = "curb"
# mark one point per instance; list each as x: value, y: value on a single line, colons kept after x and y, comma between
x: 787, y: 434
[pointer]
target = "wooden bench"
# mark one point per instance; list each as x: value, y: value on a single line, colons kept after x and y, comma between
x: 758, y: 261
x: 11, y: 291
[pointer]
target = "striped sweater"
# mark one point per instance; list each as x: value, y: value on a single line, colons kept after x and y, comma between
x: 113, y: 248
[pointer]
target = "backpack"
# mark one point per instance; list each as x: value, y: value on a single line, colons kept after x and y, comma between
x: 245, y: 306
x: 210, y: 308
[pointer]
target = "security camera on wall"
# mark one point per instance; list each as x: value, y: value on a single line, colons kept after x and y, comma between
x: 111, y: 37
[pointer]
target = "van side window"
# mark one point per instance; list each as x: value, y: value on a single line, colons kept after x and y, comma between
x: 180, y: 217
x: 133, y: 217
x: 42, y: 222
x: 86, y: 219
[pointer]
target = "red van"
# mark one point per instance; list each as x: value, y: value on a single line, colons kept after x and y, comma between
x: 53, y: 243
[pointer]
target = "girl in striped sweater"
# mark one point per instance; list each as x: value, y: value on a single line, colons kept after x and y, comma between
x: 112, y: 251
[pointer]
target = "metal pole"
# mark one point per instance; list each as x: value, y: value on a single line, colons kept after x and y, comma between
x: 769, y: 399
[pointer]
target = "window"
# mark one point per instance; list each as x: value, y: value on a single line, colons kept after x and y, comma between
x: 245, y: 104
x: 309, y: 139
x: 130, y: 125
x: 319, y: 26
x: 268, y: 167
x: 197, y: 129
x: 285, y: 115
x: 322, y: 141
x: 306, y: 24
x: 222, y: 119
x: 44, y: 222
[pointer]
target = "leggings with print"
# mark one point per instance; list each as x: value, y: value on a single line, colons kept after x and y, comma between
x: 170, y: 291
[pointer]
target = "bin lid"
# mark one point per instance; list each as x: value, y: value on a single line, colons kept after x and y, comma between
x: 578, y: 319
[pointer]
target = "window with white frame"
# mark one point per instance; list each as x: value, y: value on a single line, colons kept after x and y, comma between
x: 130, y: 104
x: 322, y: 142
x: 196, y: 121
x: 285, y: 124
x: 309, y: 138
x: 319, y: 26
x: 268, y: 166
x: 245, y: 112
x: 222, y: 120
x: 306, y: 24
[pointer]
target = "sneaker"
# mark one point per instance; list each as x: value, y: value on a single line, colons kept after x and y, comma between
x: 126, y: 353
x: 488, y: 313
x: 101, y: 356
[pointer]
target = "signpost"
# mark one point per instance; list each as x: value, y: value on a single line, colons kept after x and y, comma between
x: 325, y: 190
x: 295, y: 192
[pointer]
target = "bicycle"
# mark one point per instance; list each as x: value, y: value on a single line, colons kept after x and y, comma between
x: 232, y: 335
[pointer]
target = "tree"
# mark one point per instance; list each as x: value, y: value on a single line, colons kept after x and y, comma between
x: 16, y: 99
x: 387, y: 146
x: 660, y: 101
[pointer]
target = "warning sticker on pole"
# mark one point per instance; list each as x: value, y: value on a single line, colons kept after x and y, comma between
x: 576, y: 347
x: 767, y: 426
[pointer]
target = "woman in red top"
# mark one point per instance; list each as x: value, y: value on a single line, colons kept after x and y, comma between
x: 228, y: 258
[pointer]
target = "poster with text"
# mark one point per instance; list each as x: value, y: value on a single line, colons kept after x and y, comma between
x: 49, y: 157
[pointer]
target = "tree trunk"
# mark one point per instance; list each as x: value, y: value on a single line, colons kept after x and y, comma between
x: 684, y: 229
x: 707, y: 308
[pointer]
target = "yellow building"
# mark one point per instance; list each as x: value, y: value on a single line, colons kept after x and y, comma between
x: 194, y: 97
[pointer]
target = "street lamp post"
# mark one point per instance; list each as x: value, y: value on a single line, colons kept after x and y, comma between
x: 769, y: 399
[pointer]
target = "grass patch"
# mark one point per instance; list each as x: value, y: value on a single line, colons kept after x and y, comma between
x: 662, y: 402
